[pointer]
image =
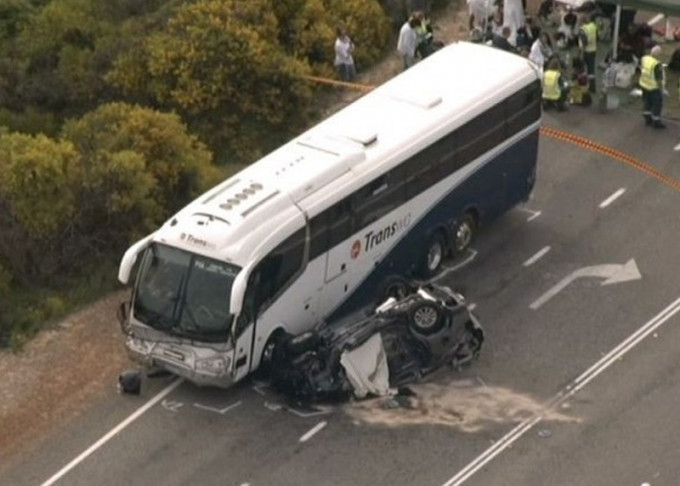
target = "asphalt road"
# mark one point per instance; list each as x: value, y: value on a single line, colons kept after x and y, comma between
x: 577, y: 383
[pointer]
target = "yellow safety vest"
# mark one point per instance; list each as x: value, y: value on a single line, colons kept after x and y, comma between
x: 647, y: 67
x: 551, y: 86
x: 590, y: 29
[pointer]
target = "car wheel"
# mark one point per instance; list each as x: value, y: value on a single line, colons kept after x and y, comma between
x: 434, y: 255
x: 463, y: 233
x: 394, y: 286
x: 426, y: 318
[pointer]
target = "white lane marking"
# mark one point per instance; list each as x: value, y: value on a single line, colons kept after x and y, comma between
x: 567, y: 392
x: 221, y: 411
x: 537, y: 256
x: 677, y: 148
x: 311, y: 432
x: 472, y: 306
x: 471, y: 256
x: 313, y: 413
x: 109, y: 435
x: 534, y: 214
x: 259, y: 388
x: 172, y: 405
x: 612, y: 198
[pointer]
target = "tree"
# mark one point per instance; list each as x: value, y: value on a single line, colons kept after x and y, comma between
x: 220, y: 60
x: 37, y: 201
x: 115, y: 175
x: 139, y: 165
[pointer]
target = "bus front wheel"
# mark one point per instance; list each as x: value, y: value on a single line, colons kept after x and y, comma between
x: 463, y: 233
x: 273, y: 351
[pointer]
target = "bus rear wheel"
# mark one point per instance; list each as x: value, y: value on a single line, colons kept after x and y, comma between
x: 463, y: 233
x: 434, y: 255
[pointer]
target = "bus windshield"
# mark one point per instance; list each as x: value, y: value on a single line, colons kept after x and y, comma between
x: 184, y: 294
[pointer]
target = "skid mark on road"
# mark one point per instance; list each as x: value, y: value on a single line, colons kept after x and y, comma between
x: 468, y: 406
x: 610, y: 152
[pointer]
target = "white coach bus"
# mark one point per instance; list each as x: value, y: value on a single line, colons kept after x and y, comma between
x: 388, y: 186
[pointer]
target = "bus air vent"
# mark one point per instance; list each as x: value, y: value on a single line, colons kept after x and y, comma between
x: 420, y: 99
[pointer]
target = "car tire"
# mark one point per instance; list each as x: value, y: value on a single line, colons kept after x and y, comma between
x: 435, y: 252
x: 394, y: 286
x: 426, y: 318
x: 464, y: 232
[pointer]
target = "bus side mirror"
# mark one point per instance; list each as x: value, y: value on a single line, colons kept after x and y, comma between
x: 123, y: 315
x: 130, y: 258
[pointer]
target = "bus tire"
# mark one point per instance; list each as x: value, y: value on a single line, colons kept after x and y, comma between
x: 271, y: 353
x: 464, y: 232
x: 426, y: 318
x: 394, y: 286
x: 434, y: 255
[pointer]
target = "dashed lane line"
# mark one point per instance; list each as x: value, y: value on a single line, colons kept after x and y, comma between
x: 567, y: 392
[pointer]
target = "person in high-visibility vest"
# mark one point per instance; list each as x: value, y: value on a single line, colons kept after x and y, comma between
x: 555, y: 88
x: 587, y: 37
x: 651, y: 83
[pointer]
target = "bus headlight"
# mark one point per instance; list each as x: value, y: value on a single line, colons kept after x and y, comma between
x: 139, y: 345
x: 213, y: 366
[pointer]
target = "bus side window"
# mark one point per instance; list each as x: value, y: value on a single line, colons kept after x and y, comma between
x: 420, y: 172
x: 379, y: 197
x: 318, y: 235
x: 339, y: 223
x: 278, y: 268
x: 523, y: 108
x: 482, y: 133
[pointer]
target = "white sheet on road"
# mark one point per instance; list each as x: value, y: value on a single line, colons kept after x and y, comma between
x: 366, y: 368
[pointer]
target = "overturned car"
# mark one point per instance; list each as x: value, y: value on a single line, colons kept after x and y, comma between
x: 369, y: 352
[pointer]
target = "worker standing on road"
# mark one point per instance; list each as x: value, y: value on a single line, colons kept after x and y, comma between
x: 408, y: 41
x: 651, y: 82
x: 587, y: 38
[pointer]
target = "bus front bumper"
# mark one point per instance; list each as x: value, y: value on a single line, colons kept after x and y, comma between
x: 199, y: 365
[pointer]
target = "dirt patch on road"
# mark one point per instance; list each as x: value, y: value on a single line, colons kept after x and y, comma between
x: 467, y: 406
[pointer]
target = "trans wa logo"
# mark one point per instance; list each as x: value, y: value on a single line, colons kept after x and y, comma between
x: 373, y: 239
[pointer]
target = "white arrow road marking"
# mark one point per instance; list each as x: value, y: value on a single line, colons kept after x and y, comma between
x: 221, y: 411
x: 613, y: 273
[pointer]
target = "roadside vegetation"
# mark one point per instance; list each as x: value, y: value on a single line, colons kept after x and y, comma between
x: 116, y: 113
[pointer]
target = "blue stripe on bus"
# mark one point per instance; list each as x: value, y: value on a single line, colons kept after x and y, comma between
x: 511, y: 174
